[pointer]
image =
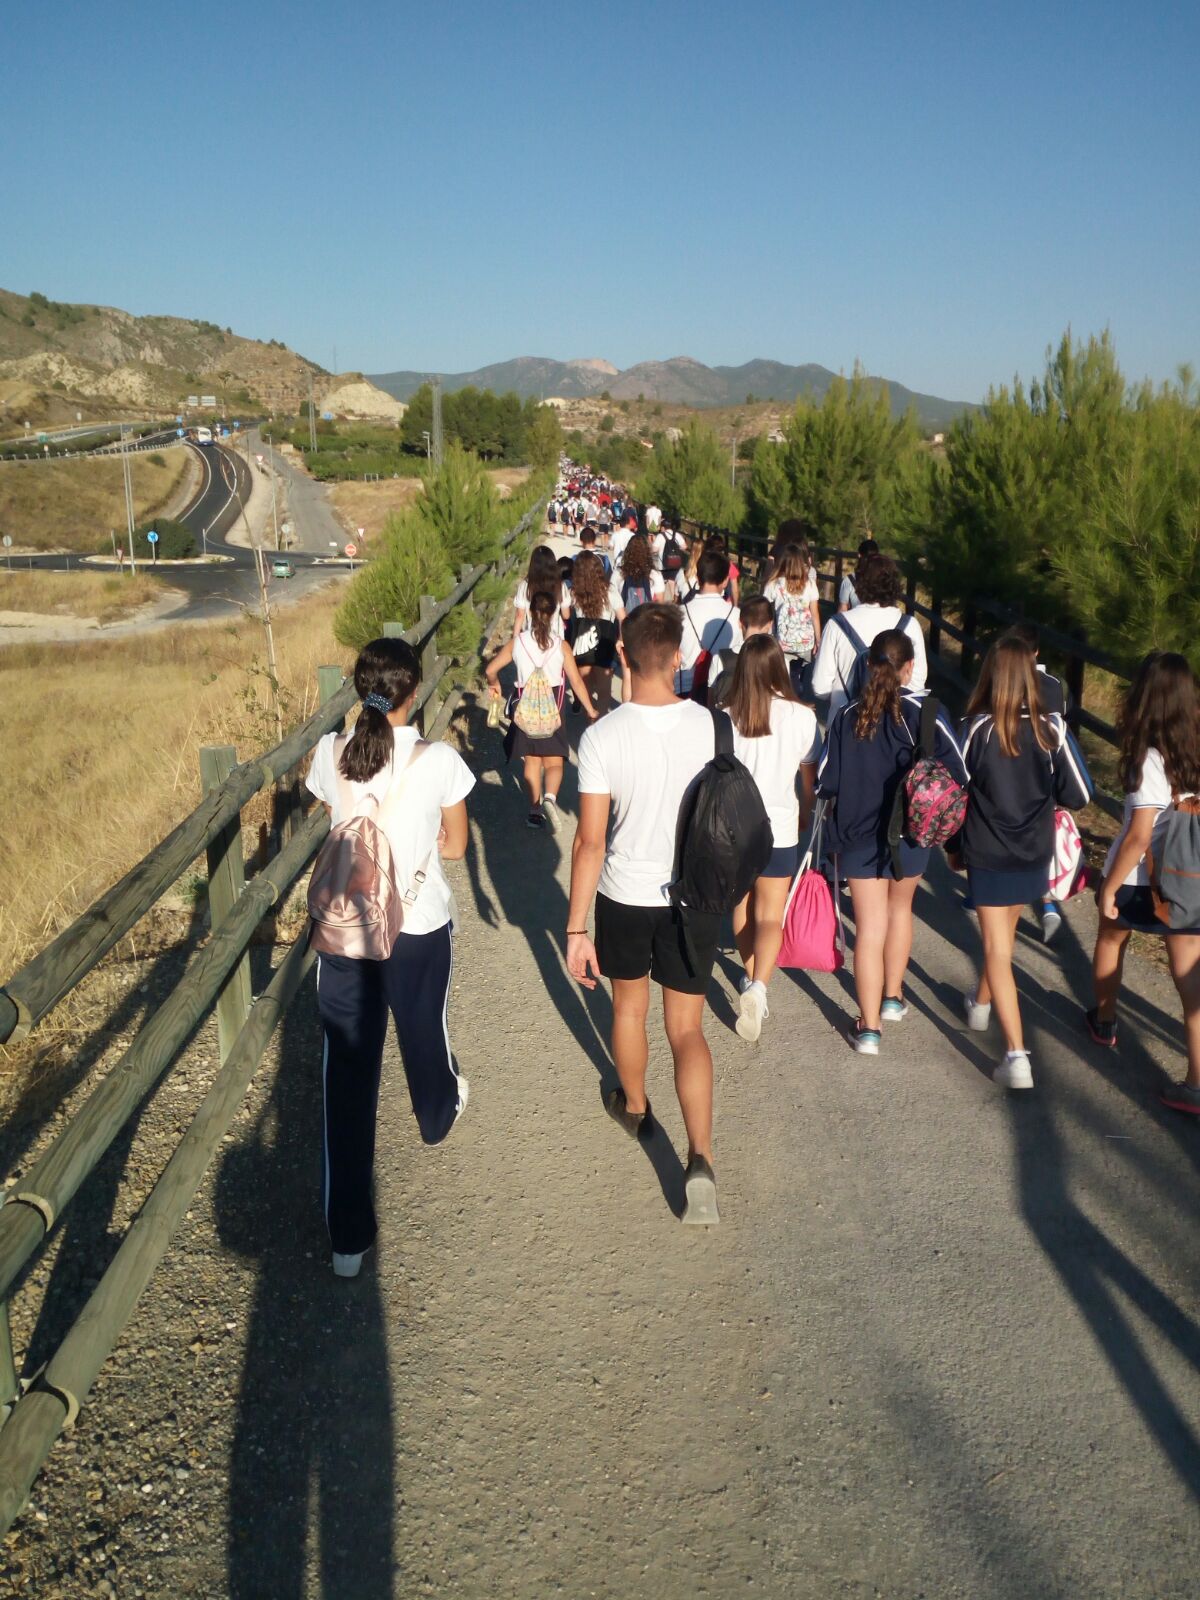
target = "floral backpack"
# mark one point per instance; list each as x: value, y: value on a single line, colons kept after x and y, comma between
x: 930, y: 805
x: 793, y: 623
x: 538, y: 711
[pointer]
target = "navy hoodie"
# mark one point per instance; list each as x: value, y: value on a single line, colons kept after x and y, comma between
x: 861, y: 776
x: 1010, y: 809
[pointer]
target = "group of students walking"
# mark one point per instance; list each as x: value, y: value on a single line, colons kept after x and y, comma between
x: 712, y: 685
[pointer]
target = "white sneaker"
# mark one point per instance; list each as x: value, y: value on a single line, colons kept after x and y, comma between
x: 978, y: 1017
x: 347, y: 1266
x: 1014, y: 1072
x: 551, y: 813
x: 753, y: 1003
x: 464, y: 1094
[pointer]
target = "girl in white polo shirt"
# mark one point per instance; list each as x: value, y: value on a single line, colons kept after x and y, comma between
x: 425, y: 824
x: 776, y: 738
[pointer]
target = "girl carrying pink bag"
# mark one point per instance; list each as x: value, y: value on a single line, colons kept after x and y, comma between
x: 813, y: 936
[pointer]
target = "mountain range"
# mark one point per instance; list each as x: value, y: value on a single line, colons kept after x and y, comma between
x: 680, y: 381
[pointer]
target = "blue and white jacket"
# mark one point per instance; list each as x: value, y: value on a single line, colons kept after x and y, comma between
x: 861, y: 776
x: 1011, y: 800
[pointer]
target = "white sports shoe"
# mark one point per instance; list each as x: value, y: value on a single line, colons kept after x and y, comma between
x: 753, y: 1005
x: 1014, y: 1072
x: 551, y: 813
x: 978, y: 1017
x: 347, y: 1266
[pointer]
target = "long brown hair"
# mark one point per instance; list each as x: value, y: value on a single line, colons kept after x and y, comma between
x: 795, y: 564
x: 543, y: 572
x: 589, y: 586
x: 1006, y: 691
x: 1162, y: 712
x: 760, y: 676
x: 636, y: 564
x: 542, y: 607
x: 888, y: 655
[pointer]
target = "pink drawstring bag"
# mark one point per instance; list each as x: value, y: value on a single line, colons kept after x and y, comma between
x: 813, y: 937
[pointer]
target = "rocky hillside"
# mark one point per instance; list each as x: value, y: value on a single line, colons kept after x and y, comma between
x: 56, y: 359
x: 679, y: 381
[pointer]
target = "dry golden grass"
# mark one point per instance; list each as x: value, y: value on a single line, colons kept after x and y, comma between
x: 102, y: 596
x: 101, y: 742
x: 73, y: 505
x: 368, y: 505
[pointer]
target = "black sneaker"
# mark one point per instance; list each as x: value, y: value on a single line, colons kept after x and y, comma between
x: 535, y: 819
x: 700, y: 1187
x: 576, y: 706
x: 635, y: 1123
x: 1102, y: 1033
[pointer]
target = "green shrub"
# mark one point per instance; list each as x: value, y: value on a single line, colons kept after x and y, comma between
x: 175, y: 542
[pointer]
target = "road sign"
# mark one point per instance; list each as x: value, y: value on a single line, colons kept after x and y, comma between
x: 193, y: 399
x: 41, y: 438
x: 327, y: 416
x: 362, y: 533
x: 208, y: 399
x: 352, y: 551
x: 7, y: 541
x: 285, y: 527
x: 178, y: 419
x: 152, y: 537
x: 259, y: 457
x: 236, y: 426
x: 179, y: 433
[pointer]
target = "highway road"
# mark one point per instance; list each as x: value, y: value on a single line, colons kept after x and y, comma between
x: 219, y: 590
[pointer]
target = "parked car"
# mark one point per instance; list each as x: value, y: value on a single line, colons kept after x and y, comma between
x: 283, y: 569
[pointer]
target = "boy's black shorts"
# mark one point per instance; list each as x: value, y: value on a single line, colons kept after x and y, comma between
x: 632, y: 941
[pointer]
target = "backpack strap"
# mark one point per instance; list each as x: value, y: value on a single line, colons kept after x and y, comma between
x: 722, y: 732
x: 927, y: 736
x: 839, y: 621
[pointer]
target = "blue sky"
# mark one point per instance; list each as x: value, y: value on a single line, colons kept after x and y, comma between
x: 937, y: 190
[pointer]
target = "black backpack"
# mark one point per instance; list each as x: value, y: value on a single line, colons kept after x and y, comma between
x: 724, y: 839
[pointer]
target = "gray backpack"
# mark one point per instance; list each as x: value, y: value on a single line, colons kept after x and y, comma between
x: 1175, y: 870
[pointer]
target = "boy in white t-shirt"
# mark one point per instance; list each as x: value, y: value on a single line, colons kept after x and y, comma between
x: 635, y: 766
x: 710, y: 622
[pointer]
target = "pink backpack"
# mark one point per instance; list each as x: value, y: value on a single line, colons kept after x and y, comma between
x: 930, y: 805
x: 355, y: 898
x: 1068, y: 850
x: 813, y: 936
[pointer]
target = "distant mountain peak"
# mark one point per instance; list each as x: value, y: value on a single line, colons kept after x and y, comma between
x: 680, y: 380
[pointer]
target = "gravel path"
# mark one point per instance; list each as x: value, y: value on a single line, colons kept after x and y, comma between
x: 945, y: 1341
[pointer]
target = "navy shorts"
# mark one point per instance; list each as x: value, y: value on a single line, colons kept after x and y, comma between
x: 785, y: 858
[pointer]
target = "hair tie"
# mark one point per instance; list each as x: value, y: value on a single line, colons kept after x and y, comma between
x: 377, y: 702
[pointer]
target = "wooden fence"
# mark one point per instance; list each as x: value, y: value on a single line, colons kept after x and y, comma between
x: 35, y: 1411
x: 981, y: 621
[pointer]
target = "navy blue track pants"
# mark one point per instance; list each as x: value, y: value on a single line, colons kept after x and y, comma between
x: 354, y: 998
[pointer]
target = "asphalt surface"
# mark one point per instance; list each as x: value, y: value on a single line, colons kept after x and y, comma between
x: 215, y: 512
x: 945, y: 1341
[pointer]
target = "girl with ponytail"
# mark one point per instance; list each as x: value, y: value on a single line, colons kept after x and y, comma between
x: 541, y: 649
x: 871, y: 744
x: 416, y: 794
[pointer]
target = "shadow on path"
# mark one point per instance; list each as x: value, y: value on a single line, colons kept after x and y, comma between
x: 313, y: 1441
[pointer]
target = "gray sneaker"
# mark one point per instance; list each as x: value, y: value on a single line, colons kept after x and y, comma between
x: 1182, y: 1097
x: 700, y: 1187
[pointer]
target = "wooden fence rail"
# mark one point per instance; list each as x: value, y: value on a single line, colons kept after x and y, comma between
x: 39, y: 1410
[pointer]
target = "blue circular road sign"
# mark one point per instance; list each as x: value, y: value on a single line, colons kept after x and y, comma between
x: 152, y: 537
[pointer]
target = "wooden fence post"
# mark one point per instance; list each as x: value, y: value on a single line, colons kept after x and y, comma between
x: 1075, y: 683
x: 910, y: 591
x: 329, y: 681
x: 935, y: 624
x: 967, y: 651
x: 9, y: 1384
x: 430, y: 662
x: 226, y: 880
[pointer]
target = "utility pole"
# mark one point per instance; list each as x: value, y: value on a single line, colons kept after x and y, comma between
x: 274, y: 510
x: 733, y: 461
x: 438, y: 444
x: 312, y: 415
x: 127, y: 478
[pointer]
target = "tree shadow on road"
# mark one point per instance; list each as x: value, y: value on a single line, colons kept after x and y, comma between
x: 313, y: 1438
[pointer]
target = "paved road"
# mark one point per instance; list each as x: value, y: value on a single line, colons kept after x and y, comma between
x: 945, y: 1341
x: 214, y: 513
